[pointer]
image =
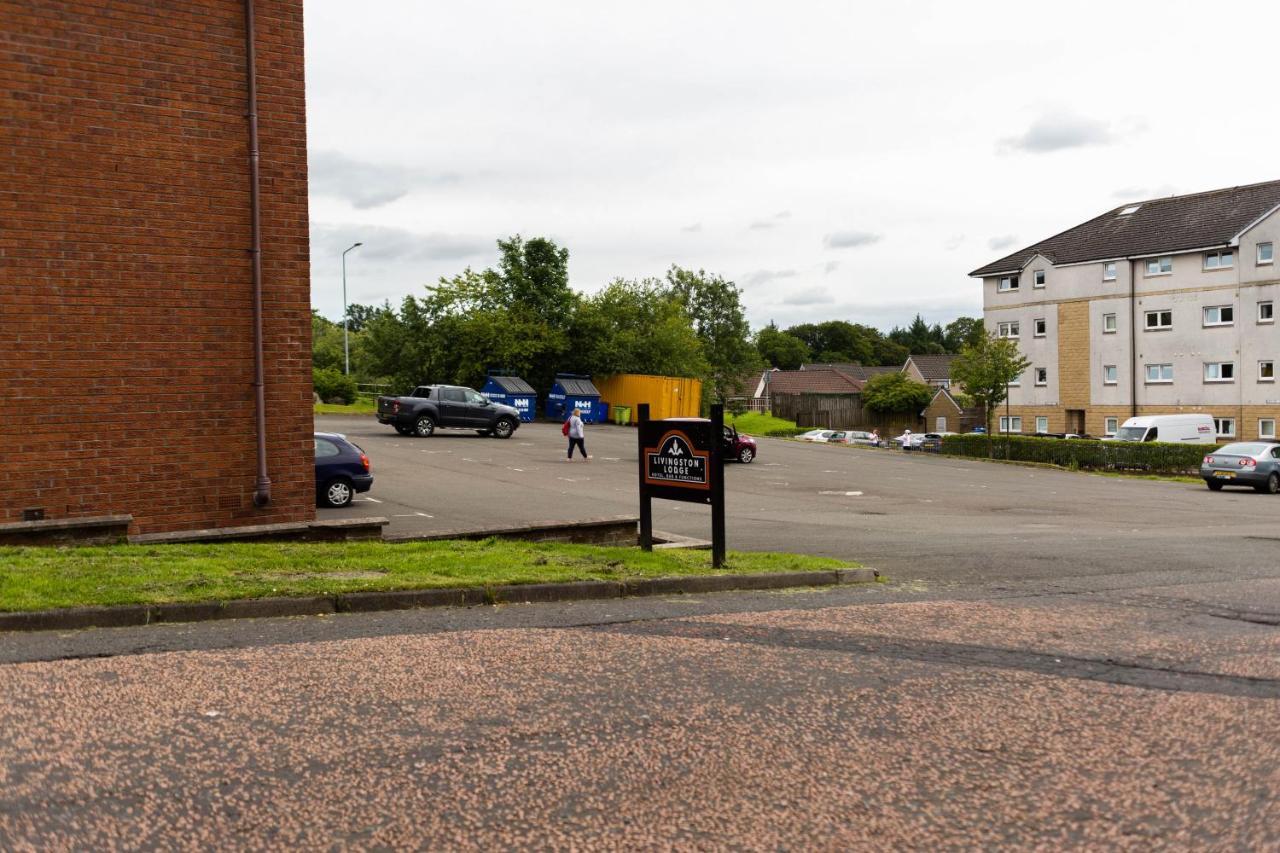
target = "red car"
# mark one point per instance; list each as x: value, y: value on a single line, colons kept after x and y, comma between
x: 738, y: 446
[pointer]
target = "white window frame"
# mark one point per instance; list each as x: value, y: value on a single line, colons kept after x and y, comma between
x: 1041, y: 382
x: 1008, y: 284
x: 1115, y: 374
x: 1221, y: 428
x: 1115, y: 324
x: 1263, y: 430
x: 1270, y: 311
x: 1271, y: 254
x: 1007, y: 422
x: 1160, y: 325
x: 1215, y: 260
x: 1038, y: 278
x: 1011, y: 329
x: 1162, y: 265
x: 1042, y: 423
x: 1218, y: 322
x: 1219, y: 368
x: 1039, y: 327
x: 1110, y: 426
x: 1269, y: 366
x: 1160, y: 380
x: 1109, y: 271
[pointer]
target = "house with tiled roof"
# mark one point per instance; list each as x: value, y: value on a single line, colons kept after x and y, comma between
x: 853, y: 369
x: 1153, y: 307
x: 932, y: 370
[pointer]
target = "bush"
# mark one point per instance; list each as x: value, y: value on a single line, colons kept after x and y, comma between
x: 1152, y: 457
x: 785, y: 432
x: 333, y: 386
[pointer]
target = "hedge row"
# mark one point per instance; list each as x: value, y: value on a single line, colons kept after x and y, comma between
x: 1152, y: 457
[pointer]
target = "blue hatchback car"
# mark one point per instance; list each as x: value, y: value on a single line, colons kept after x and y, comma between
x: 342, y: 469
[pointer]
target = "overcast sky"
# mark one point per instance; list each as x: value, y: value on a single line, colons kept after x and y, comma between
x: 837, y: 160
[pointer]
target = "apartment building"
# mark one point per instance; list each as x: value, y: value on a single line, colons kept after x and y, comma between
x: 1156, y: 307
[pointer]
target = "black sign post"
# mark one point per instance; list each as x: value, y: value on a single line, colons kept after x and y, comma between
x: 682, y: 459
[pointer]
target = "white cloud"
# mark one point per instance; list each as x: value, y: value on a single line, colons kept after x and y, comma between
x: 367, y: 185
x: 1061, y: 131
x: 850, y: 239
x: 808, y: 296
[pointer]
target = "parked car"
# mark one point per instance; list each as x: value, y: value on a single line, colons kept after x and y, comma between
x: 859, y: 437
x: 1175, y: 429
x: 822, y: 436
x: 342, y: 470
x: 447, y: 406
x: 738, y: 446
x: 1245, y: 463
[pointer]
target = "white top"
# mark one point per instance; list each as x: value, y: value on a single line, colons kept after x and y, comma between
x: 575, y: 426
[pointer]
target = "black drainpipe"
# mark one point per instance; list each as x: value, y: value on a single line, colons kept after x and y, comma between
x: 262, y: 489
x: 1133, y: 341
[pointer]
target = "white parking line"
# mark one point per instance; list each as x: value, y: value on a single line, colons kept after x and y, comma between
x: 845, y: 494
x: 370, y: 500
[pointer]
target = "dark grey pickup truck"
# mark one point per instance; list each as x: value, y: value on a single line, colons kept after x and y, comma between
x: 432, y: 407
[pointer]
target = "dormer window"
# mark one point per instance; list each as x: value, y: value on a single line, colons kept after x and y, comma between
x: 1007, y: 283
x: 1039, y: 278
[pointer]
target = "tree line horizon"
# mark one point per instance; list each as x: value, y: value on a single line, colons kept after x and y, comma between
x: 523, y: 316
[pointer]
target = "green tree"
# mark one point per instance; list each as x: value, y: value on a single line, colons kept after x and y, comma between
x: 715, y: 307
x: 533, y: 275
x: 985, y: 370
x: 358, y: 316
x: 962, y: 331
x: 326, y: 343
x: 890, y: 393
x: 635, y: 327
x: 780, y: 349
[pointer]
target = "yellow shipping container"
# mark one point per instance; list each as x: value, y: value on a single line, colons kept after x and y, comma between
x: 667, y: 396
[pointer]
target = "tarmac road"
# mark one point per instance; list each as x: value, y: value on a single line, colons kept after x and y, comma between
x: 914, y: 516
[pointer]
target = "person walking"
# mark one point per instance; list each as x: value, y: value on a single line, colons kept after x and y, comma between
x: 577, y: 438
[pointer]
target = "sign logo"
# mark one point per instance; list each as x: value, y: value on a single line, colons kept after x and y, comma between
x: 675, y: 462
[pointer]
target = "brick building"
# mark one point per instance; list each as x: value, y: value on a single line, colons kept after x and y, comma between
x: 127, y: 333
x: 1164, y: 306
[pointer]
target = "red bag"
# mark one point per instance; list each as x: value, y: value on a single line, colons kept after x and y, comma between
x: 564, y: 430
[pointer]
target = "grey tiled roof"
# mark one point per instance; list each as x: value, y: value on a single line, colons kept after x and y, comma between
x: 1172, y: 224
x: 852, y: 369
x: 812, y: 381
x: 934, y: 368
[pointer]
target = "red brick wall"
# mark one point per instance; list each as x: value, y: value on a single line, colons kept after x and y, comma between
x: 126, y: 348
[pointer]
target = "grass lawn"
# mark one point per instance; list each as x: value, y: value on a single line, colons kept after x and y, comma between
x: 46, y: 578
x: 361, y: 406
x: 754, y: 423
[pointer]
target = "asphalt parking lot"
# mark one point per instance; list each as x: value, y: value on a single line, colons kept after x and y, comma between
x: 914, y: 516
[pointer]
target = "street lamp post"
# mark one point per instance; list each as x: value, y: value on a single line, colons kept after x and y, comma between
x: 346, y: 348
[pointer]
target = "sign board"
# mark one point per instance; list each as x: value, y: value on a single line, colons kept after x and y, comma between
x: 677, y: 455
x: 682, y: 459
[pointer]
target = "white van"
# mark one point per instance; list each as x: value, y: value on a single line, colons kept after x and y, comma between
x: 1176, y: 429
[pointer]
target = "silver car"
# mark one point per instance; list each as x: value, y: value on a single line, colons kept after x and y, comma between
x: 1246, y: 463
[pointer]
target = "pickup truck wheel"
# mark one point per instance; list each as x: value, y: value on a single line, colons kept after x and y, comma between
x: 338, y: 492
x: 424, y: 426
x: 504, y: 427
